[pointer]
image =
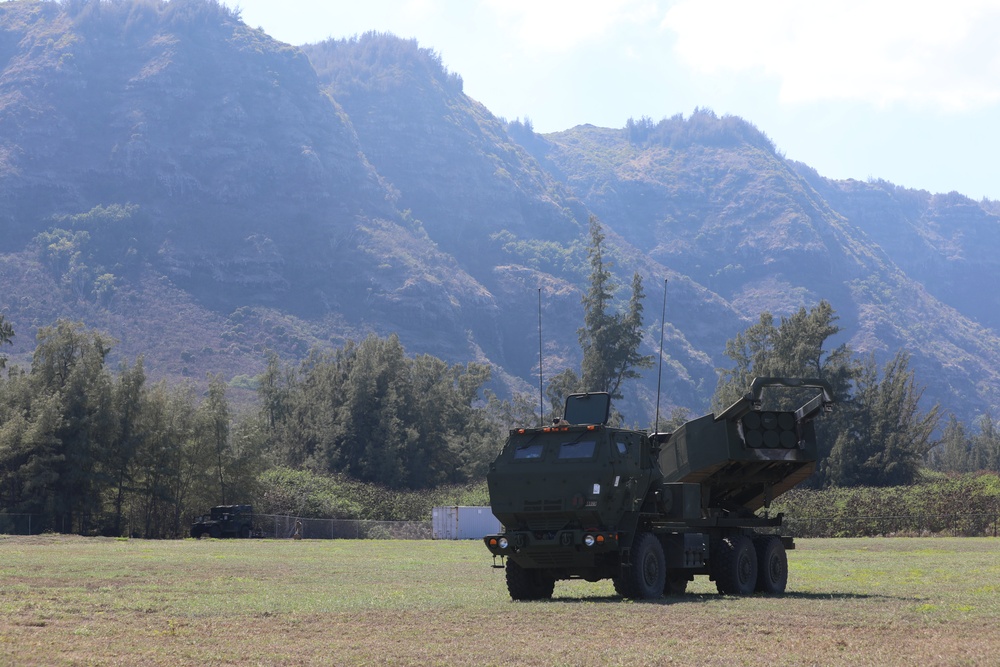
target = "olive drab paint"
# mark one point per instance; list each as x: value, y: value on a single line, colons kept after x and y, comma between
x: 581, y: 499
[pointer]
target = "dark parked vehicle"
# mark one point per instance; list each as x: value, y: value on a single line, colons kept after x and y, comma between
x: 225, y: 521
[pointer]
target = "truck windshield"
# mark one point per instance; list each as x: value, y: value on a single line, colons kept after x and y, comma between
x: 528, y: 451
x: 583, y: 449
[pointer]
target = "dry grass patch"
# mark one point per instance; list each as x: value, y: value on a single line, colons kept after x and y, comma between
x: 81, y: 601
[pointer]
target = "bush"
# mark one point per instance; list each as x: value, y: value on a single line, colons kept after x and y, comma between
x: 308, y: 494
x: 966, y: 505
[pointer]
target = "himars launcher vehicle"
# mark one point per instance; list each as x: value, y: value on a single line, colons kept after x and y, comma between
x: 581, y: 499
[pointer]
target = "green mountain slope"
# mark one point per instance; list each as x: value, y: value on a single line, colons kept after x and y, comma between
x: 205, y: 193
x: 711, y: 198
x: 248, y: 187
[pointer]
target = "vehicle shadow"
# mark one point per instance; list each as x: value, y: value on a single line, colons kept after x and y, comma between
x: 801, y: 595
x: 708, y: 598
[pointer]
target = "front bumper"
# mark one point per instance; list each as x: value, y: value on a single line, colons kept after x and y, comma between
x: 563, y: 548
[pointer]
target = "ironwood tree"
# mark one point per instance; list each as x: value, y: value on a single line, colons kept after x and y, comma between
x: 6, y: 336
x: 369, y: 411
x: 609, y: 337
x: 888, y: 436
x: 878, y: 434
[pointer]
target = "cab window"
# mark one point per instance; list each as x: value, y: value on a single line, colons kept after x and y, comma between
x: 533, y: 451
x: 583, y: 449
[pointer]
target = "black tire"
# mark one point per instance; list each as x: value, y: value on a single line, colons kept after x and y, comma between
x: 196, y: 532
x: 622, y: 587
x: 525, y: 584
x: 772, y: 565
x: 676, y: 583
x: 734, y: 565
x: 214, y: 531
x: 646, y: 576
x: 245, y: 531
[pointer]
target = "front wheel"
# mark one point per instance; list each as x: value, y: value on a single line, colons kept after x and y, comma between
x: 525, y: 584
x: 645, y: 578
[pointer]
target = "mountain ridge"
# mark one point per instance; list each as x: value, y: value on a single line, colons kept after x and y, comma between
x: 280, y: 198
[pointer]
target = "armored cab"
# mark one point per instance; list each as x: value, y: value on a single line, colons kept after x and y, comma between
x: 555, y: 487
x: 582, y: 499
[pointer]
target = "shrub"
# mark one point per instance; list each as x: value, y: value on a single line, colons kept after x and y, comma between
x: 965, y: 505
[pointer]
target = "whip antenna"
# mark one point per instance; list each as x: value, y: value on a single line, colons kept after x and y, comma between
x: 659, y: 370
x: 541, y: 396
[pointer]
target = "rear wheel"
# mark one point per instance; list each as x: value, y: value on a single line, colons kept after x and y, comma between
x: 646, y: 576
x: 734, y: 565
x: 772, y: 564
x: 525, y: 584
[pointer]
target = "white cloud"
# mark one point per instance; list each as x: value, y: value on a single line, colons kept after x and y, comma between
x: 421, y: 10
x: 558, y: 26
x: 926, y: 54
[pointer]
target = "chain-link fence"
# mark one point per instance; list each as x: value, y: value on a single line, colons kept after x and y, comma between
x: 959, y: 525
x: 284, y: 527
x: 272, y: 526
x: 20, y: 524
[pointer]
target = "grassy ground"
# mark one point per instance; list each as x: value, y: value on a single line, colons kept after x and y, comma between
x: 83, y: 601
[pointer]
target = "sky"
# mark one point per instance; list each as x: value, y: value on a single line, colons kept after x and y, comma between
x: 905, y: 91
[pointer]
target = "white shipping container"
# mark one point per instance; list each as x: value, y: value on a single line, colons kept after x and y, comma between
x: 463, y: 523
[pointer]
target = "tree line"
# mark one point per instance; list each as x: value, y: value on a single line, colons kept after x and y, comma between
x: 84, y: 448
x: 371, y: 412
x: 966, y: 450
x: 91, y: 449
x: 878, y: 433
x: 702, y: 127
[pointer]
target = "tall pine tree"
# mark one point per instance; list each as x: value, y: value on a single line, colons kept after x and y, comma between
x: 609, y: 339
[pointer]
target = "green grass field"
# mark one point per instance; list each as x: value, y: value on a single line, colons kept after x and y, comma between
x: 93, y: 601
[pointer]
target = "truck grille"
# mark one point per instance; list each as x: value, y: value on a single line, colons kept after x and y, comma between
x: 545, y: 524
x: 555, y: 558
x: 548, y: 505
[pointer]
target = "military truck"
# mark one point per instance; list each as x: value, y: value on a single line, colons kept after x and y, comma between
x: 582, y: 499
x: 225, y: 521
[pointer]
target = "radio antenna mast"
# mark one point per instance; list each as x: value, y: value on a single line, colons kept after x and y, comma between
x: 541, y: 396
x: 659, y: 370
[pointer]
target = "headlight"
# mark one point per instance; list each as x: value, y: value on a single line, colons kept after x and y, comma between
x: 588, y: 540
x: 503, y: 543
